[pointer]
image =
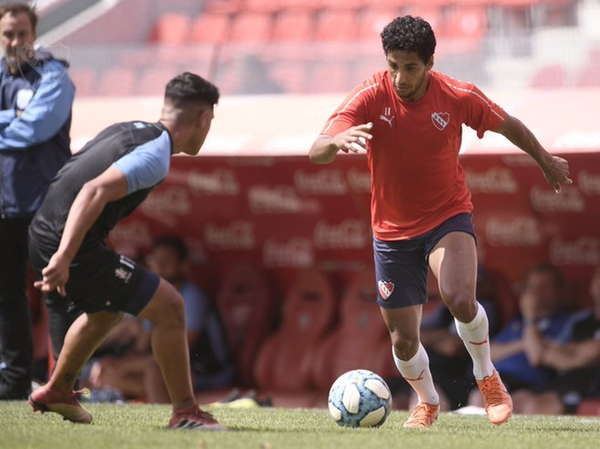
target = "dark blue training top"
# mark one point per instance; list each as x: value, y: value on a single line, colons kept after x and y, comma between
x: 34, y: 146
x: 140, y: 150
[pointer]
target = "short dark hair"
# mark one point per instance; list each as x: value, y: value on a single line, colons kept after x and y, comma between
x: 409, y: 34
x: 175, y: 243
x: 20, y: 8
x: 188, y: 88
x: 547, y: 267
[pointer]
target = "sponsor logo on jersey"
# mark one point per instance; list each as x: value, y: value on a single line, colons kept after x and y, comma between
x: 385, y: 289
x: 440, y: 119
x: 387, y: 116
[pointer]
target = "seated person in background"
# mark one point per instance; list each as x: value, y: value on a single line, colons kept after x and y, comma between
x: 449, y: 361
x: 541, y: 305
x: 209, y: 356
x: 577, y: 361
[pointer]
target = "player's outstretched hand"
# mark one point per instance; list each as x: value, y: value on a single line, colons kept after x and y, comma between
x: 354, y: 139
x: 55, y: 275
x: 557, y: 173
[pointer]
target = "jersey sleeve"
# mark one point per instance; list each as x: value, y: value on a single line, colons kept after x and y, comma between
x: 482, y: 113
x: 146, y: 165
x: 352, y: 111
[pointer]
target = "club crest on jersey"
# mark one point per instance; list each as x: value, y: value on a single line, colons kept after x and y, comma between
x: 385, y: 289
x: 440, y: 119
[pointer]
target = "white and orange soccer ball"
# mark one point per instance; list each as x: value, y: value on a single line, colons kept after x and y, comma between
x: 360, y: 398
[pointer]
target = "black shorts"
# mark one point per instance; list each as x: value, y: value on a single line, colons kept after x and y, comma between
x: 100, y: 279
x: 401, y: 266
x: 575, y: 385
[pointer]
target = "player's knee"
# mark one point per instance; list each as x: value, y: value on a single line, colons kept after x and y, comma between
x: 461, y: 303
x: 405, y: 344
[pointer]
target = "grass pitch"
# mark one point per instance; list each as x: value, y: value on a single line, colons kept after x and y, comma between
x: 143, y: 426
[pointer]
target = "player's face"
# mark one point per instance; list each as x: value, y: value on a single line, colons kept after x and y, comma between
x: 17, y: 37
x: 164, y: 262
x: 409, y: 74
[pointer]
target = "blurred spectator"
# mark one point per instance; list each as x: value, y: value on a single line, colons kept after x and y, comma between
x: 35, y: 118
x: 541, y: 307
x: 138, y: 376
x: 577, y: 361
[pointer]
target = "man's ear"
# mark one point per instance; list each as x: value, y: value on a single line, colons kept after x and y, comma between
x: 430, y: 63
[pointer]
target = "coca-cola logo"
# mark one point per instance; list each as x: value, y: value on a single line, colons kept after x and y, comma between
x: 359, y: 180
x: 134, y: 233
x: 349, y: 234
x: 519, y: 231
x: 589, y: 183
x: 295, y: 253
x: 493, y: 180
x: 169, y: 201
x: 543, y: 199
x: 585, y: 250
x: 217, y: 182
x: 322, y: 182
x: 279, y: 199
x: 236, y: 235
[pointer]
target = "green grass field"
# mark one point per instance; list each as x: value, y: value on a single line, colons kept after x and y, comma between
x: 143, y: 426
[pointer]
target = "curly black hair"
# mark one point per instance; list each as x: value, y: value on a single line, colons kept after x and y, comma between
x: 409, y: 34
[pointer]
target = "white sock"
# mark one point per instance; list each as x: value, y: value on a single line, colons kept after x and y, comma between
x: 475, y: 336
x: 416, y: 372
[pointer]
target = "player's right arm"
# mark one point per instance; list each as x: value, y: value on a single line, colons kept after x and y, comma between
x: 325, y: 148
x: 109, y: 186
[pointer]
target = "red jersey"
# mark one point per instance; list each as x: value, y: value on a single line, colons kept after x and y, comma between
x: 417, y: 181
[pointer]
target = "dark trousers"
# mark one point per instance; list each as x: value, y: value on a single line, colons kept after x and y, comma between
x: 16, y: 346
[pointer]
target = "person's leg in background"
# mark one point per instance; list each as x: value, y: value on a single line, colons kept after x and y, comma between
x: 16, y: 346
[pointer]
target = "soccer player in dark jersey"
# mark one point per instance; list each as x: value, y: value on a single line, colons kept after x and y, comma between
x: 408, y: 119
x: 98, y: 186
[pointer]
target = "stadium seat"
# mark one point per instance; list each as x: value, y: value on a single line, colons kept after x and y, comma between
x: 251, y: 27
x: 309, y: 310
x: 117, y: 81
x: 589, y: 76
x: 331, y: 77
x: 84, y: 79
x: 467, y: 26
x: 352, y: 344
x: 549, y: 76
x: 372, y: 21
x: 589, y: 407
x: 154, y: 79
x: 293, y: 26
x: 268, y: 6
x: 224, y: 6
x: 336, y: 25
x: 248, y: 309
x: 171, y: 28
x: 211, y: 27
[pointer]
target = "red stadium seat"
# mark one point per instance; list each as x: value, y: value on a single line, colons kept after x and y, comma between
x: 331, y: 77
x: 589, y: 407
x: 248, y: 310
x: 589, y: 76
x: 269, y: 6
x: 352, y: 344
x: 549, y: 76
x: 211, y: 27
x: 171, y: 28
x: 224, y: 6
x: 336, y: 25
x: 284, y: 361
x: 293, y: 26
x: 372, y: 22
x: 84, y: 79
x: 117, y: 81
x: 251, y: 27
x: 153, y: 80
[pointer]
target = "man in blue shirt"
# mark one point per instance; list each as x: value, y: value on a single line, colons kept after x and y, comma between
x: 102, y: 183
x: 36, y: 96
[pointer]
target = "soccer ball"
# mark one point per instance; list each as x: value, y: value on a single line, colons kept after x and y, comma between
x: 360, y: 398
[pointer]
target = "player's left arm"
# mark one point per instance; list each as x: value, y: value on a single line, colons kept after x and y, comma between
x: 45, y: 114
x: 555, y: 169
x: 89, y: 203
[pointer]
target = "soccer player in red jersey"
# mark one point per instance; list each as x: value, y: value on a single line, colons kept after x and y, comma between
x: 408, y: 119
